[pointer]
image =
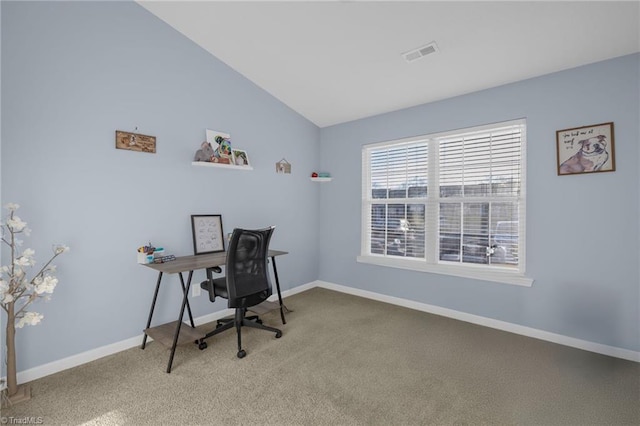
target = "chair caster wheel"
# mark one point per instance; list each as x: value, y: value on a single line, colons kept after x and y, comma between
x: 202, y: 346
x: 242, y: 354
x: 259, y: 321
x: 278, y: 334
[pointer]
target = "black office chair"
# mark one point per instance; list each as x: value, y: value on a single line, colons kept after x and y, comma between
x: 247, y: 282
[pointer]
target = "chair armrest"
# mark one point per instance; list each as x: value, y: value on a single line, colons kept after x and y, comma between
x: 208, y: 284
x: 216, y: 269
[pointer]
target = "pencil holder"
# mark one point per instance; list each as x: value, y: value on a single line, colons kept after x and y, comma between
x: 144, y: 258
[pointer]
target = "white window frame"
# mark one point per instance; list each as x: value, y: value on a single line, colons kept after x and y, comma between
x: 430, y: 263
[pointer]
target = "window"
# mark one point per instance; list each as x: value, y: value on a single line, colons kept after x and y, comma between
x: 450, y: 203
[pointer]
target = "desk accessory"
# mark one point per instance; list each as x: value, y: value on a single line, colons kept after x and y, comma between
x: 163, y: 259
x: 149, y: 254
x: 145, y: 254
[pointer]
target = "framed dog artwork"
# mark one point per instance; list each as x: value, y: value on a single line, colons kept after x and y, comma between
x: 587, y: 149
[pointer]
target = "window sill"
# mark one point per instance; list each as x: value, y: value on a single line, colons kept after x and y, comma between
x: 479, y: 273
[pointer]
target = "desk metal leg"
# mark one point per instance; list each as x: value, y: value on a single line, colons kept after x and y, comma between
x: 153, y: 305
x: 185, y: 302
x: 282, y: 306
x: 187, y: 294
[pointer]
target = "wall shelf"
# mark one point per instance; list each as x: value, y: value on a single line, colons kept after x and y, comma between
x: 321, y: 179
x: 222, y: 166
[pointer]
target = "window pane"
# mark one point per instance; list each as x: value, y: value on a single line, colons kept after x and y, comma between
x: 505, y: 162
x: 398, y: 229
x: 399, y: 171
x: 475, y: 232
x: 378, y: 174
x: 416, y: 215
x: 451, y: 160
x: 405, y: 230
x: 378, y: 228
x: 467, y: 228
x: 481, y: 164
x: 416, y: 180
x: 504, y: 233
x: 450, y: 230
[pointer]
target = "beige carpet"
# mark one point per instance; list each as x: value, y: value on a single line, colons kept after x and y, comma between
x: 345, y: 360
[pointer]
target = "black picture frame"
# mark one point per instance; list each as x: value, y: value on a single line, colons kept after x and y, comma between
x: 208, y: 236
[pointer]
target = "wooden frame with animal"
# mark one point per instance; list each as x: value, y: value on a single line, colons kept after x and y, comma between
x: 587, y: 149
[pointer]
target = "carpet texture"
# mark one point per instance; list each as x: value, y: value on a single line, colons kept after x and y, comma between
x: 345, y: 360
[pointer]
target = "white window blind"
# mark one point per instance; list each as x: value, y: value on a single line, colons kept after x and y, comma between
x: 479, y: 188
x: 396, y: 223
x: 451, y: 201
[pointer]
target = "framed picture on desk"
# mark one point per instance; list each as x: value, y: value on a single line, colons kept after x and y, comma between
x: 207, y: 233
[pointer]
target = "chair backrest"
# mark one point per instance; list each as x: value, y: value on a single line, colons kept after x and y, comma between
x: 248, y: 280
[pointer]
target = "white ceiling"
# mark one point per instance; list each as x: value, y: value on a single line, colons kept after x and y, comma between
x: 337, y: 61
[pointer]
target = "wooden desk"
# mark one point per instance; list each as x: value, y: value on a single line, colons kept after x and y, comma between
x: 170, y: 334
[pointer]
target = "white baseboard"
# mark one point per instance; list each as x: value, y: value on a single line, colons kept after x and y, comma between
x: 94, y: 354
x: 489, y: 322
x: 75, y: 360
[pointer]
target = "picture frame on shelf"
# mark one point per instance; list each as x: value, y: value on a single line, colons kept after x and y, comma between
x: 208, y: 236
x: 240, y: 157
x: 221, y: 144
x: 586, y: 149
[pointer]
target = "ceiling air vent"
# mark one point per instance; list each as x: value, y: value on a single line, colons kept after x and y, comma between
x: 420, y: 52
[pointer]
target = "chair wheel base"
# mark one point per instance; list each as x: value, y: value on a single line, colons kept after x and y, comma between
x: 242, y: 353
x: 278, y: 334
x: 202, y: 346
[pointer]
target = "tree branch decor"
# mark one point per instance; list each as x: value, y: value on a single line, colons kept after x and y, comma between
x: 17, y: 292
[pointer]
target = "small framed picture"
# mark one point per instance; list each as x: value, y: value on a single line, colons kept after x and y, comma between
x: 240, y: 157
x: 221, y: 144
x: 283, y: 166
x: 586, y: 149
x: 135, y: 142
x: 207, y: 233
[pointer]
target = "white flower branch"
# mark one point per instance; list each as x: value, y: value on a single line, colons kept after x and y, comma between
x: 16, y: 288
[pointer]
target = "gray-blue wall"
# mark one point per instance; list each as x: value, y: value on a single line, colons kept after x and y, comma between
x: 582, y: 231
x: 72, y: 74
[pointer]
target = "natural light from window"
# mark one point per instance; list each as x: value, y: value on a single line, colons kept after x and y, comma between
x: 451, y: 203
